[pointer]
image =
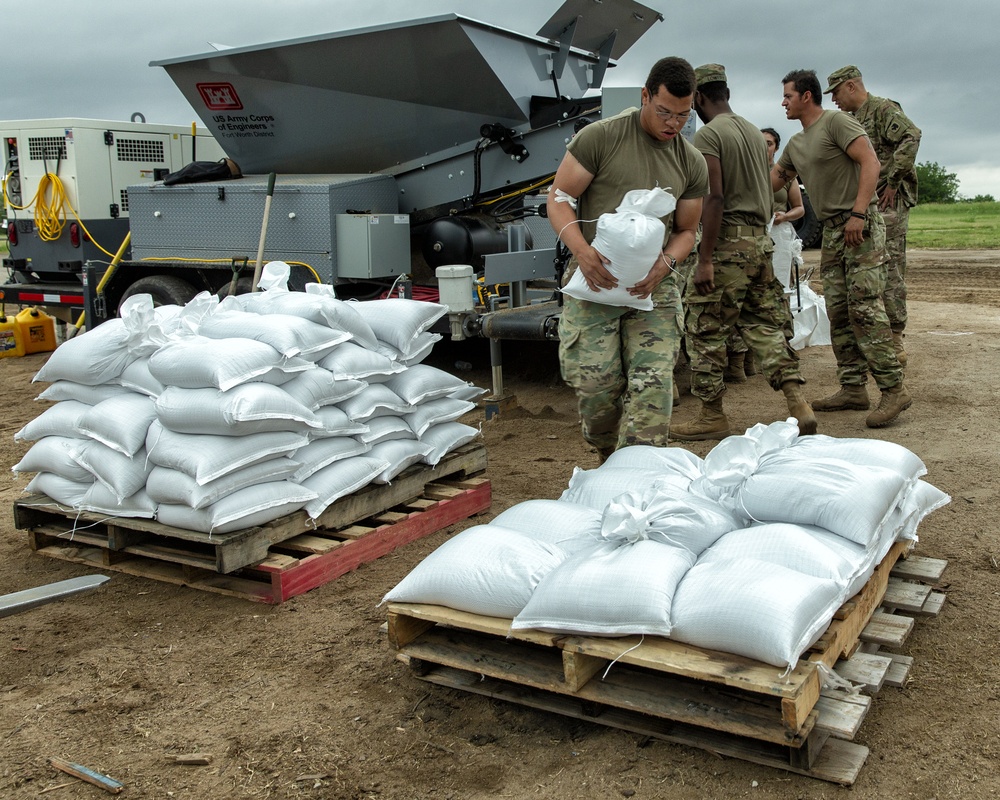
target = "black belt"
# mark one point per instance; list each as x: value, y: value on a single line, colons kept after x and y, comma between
x: 837, y: 220
x: 731, y: 231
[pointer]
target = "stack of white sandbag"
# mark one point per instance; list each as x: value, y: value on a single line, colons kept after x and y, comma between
x: 750, y: 551
x: 223, y: 415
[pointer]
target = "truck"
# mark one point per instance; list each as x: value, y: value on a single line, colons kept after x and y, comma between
x: 372, y: 159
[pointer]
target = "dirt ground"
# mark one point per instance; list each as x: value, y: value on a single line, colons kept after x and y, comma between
x: 306, y: 700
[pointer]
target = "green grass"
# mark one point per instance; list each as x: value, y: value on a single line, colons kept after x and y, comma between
x: 955, y: 226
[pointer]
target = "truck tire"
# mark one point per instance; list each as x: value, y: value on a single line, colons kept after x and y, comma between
x: 164, y: 289
x: 808, y: 227
x: 243, y: 286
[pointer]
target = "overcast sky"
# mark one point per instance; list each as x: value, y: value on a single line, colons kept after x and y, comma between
x: 938, y: 58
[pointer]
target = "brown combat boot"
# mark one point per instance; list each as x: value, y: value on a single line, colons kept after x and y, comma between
x: 711, y: 423
x: 894, y: 401
x: 897, y: 345
x: 750, y: 365
x: 849, y: 397
x: 799, y: 407
x: 677, y: 395
x: 733, y: 373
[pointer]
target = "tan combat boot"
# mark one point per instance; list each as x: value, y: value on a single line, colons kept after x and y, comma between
x: 733, y: 373
x: 711, y: 423
x: 677, y: 395
x: 799, y: 407
x: 750, y: 365
x: 849, y: 397
x: 894, y: 401
x: 897, y: 345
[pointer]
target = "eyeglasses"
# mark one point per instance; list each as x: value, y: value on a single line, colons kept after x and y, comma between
x: 667, y: 116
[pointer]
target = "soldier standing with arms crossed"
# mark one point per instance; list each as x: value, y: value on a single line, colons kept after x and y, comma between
x: 840, y: 169
x: 734, y: 281
x: 895, y: 139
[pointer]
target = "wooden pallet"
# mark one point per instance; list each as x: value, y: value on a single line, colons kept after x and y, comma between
x: 272, y: 562
x: 721, y: 702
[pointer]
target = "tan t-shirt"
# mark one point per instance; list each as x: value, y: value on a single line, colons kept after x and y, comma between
x: 622, y: 156
x: 819, y: 155
x: 742, y: 152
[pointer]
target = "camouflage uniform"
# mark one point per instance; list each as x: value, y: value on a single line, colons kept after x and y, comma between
x: 853, y: 281
x: 895, y: 139
x: 747, y: 292
x: 620, y: 362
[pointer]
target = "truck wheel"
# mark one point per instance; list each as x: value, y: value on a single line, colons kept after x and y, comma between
x: 164, y: 289
x: 243, y: 286
x: 808, y: 227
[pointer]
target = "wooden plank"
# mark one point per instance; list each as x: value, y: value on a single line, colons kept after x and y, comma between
x: 887, y: 629
x: 905, y: 595
x: 867, y: 669
x: 920, y: 568
x: 934, y: 604
x: 841, y: 714
x: 579, y: 668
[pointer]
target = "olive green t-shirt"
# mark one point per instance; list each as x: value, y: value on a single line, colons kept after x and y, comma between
x: 819, y: 155
x: 742, y: 152
x: 622, y: 156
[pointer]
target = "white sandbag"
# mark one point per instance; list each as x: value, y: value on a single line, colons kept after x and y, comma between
x: 335, y: 422
x: 62, y: 419
x: 611, y: 590
x: 91, y: 395
x: 595, y: 488
x: 570, y: 526
x: 54, y: 454
x: 445, y: 438
x: 631, y: 239
x: 422, y: 382
x: 322, y: 452
x: 244, y: 409
x: 811, y: 323
x: 94, y: 357
x: 62, y: 490
x: 420, y: 348
x: 679, y: 519
x: 319, y: 308
x: 290, y: 336
x: 485, y: 570
x: 340, y: 479
x: 138, y: 378
x: 398, y: 321
x: 102, y: 500
x: 400, y: 454
x: 667, y: 460
x: 176, y: 488
x: 384, y: 429
x: 198, y: 362
x: 206, y: 458
x: 920, y: 500
x: 244, y: 508
x: 785, y: 240
x: 751, y: 608
x: 468, y: 391
x: 435, y: 412
x: 375, y: 400
x: 349, y: 361
x: 122, y: 475
x: 803, y: 548
x: 315, y: 388
x: 120, y: 422
x: 851, y: 501
x: 863, y: 452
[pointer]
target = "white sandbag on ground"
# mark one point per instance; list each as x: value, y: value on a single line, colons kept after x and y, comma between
x: 206, y: 458
x: 400, y: 453
x: 570, y: 526
x: 339, y: 479
x: 289, y: 335
x: 174, y: 487
x: 120, y: 423
x: 62, y: 419
x: 244, y: 409
x: 322, y: 452
x: 596, y: 488
x: 436, y: 412
x: 316, y: 388
x: 384, y: 429
x: 446, y: 437
x: 62, y: 490
x: 349, y: 361
x: 398, y: 322
x: 485, y: 570
x: 375, y: 400
x: 122, y: 475
x: 200, y: 363
x: 91, y: 395
x: 615, y: 589
x: 422, y: 382
x: 752, y: 608
x: 244, y: 508
x: 55, y: 454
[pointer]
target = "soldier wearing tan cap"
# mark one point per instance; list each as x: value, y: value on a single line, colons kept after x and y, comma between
x: 895, y: 139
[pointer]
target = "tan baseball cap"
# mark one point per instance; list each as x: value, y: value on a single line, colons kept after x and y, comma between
x: 841, y: 75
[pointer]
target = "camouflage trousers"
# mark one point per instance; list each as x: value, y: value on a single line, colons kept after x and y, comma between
x: 853, y: 282
x: 897, y: 220
x: 748, y: 303
x: 620, y: 362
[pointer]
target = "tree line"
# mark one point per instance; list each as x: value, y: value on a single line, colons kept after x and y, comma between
x: 936, y: 185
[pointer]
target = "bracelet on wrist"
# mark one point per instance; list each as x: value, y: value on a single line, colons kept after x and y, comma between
x: 858, y: 215
x: 669, y: 260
